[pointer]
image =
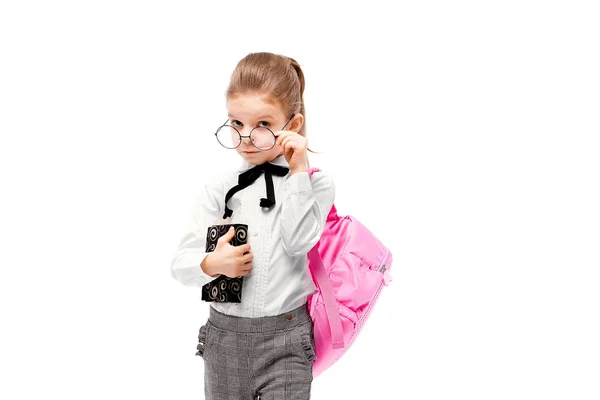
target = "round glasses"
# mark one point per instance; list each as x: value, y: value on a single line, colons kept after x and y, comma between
x: 261, y: 137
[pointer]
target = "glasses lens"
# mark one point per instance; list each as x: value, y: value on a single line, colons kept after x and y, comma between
x: 228, y: 137
x: 262, y: 138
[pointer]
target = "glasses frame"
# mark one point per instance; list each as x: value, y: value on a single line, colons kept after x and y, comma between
x: 249, y: 135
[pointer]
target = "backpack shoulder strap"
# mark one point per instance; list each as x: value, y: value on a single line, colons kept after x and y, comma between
x: 333, y: 315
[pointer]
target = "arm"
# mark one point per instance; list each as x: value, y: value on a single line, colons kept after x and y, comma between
x: 305, y: 207
x: 190, y: 264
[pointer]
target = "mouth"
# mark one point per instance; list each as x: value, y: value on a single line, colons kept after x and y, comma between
x: 250, y: 152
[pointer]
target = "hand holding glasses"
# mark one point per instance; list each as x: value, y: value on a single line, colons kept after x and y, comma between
x: 261, y: 137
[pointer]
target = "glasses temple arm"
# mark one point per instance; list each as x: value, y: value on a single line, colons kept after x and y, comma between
x: 288, y: 122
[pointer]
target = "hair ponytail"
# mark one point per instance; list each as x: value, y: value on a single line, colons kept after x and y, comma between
x: 300, y: 75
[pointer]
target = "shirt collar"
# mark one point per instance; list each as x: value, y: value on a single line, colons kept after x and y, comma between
x: 280, y: 160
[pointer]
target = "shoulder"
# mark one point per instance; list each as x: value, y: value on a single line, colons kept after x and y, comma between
x: 322, y: 179
x: 318, y: 182
x: 321, y: 183
x: 219, y: 182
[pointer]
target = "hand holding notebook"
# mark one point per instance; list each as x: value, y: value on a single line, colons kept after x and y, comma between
x: 232, y: 263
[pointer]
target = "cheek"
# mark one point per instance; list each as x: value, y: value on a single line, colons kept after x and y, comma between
x: 271, y: 154
x: 277, y: 150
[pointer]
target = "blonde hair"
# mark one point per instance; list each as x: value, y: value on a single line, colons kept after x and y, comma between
x: 279, y: 77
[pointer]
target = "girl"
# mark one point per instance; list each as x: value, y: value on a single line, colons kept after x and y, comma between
x: 261, y: 347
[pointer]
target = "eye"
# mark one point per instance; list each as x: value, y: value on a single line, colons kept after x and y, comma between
x: 235, y: 122
x: 265, y: 125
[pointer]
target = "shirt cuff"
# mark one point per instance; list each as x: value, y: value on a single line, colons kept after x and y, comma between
x: 299, y: 182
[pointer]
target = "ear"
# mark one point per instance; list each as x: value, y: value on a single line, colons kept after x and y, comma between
x: 297, y: 122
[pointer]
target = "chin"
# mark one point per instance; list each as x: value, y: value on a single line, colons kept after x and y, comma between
x: 253, y: 158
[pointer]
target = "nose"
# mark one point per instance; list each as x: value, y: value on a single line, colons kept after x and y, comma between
x: 245, y: 133
x: 246, y: 141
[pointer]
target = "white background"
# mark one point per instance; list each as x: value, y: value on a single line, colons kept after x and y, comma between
x: 463, y: 134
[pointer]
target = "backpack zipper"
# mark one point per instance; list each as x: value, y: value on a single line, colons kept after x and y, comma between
x: 382, y: 270
x: 368, y: 310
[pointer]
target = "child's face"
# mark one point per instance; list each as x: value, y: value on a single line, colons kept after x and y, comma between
x: 247, y: 111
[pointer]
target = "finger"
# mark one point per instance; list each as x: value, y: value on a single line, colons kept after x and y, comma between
x: 298, y: 141
x: 288, y: 141
x: 227, y: 236
x: 280, y: 135
x: 243, y: 248
x: 244, y: 272
x: 246, y: 258
x: 244, y: 268
x: 289, y: 145
x: 247, y: 268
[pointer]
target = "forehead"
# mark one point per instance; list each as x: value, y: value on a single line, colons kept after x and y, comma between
x: 250, y: 106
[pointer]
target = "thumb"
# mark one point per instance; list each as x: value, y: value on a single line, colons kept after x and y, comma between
x: 226, y: 238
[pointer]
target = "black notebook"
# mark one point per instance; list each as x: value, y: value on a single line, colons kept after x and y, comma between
x: 224, y: 289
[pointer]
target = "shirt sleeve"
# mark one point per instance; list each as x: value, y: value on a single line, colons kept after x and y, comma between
x: 305, y: 207
x: 185, y: 266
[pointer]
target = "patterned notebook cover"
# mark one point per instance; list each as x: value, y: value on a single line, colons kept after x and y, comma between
x: 224, y: 289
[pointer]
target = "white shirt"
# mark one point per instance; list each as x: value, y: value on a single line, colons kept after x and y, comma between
x: 280, y: 238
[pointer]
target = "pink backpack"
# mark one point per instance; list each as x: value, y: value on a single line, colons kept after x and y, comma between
x: 349, y: 267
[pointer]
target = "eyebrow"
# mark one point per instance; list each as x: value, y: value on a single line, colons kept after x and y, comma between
x: 267, y: 116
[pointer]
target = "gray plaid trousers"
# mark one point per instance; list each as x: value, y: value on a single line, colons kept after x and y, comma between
x: 266, y: 358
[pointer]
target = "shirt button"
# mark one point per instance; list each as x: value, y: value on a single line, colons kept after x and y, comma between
x: 288, y: 317
x: 255, y: 234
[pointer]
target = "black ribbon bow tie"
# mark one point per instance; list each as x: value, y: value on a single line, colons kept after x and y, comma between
x: 248, y: 177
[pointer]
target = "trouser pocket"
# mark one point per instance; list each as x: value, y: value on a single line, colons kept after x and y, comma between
x: 308, y: 341
x: 202, y: 334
